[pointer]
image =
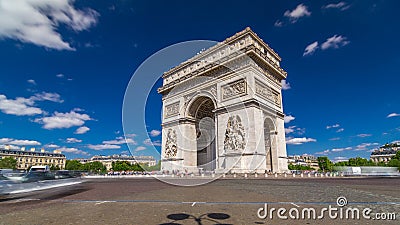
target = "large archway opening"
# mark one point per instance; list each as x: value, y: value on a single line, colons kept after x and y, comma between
x: 202, y: 110
x: 269, y: 132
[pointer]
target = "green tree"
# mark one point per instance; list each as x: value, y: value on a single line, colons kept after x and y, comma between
x: 397, y: 156
x: 53, y: 167
x: 95, y: 167
x: 325, y: 164
x: 299, y: 167
x: 73, y: 165
x: 8, y: 163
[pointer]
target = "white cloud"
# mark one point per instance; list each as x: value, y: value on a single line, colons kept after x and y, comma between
x: 60, y: 75
x: 73, y: 140
x: 82, y: 130
x: 278, y: 23
x: 333, y: 126
x: 340, y: 158
x: 5, y: 140
x: 285, y: 85
x: 311, y: 48
x: 63, y: 120
x: 19, y: 107
x: 31, y: 81
x: 120, y: 141
x: 326, y: 152
x: 130, y: 135
x: 288, y: 118
x: 299, y: 141
x: 24, y: 142
x: 155, y: 133
x: 334, y: 139
x: 290, y: 129
x: 37, y: 21
x: 393, y: 115
x: 341, y: 149
x: 154, y: 143
x: 73, y: 150
x: 140, y: 148
x: 340, y: 5
x: 51, y: 146
x: 12, y: 147
x: 364, y: 135
x: 11, y: 141
x: 46, y: 96
x: 365, y: 146
x: 103, y: 147
x: 300, y: 11
x: 340, y: 130
x: 334, y: 42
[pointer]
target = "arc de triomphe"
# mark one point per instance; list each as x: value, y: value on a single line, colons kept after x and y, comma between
x: 222, y: 110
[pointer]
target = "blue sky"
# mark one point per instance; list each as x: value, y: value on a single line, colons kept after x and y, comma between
x: 65, y: 66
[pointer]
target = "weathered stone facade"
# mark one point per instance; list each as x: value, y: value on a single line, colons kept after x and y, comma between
x: 222, y: 109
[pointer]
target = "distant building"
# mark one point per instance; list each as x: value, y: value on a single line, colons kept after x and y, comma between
x: 385, y: 153
x: 108, y: 160
x: 304, y: 160
x: 26, y: 159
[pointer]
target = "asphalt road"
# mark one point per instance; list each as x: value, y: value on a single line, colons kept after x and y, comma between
x: 225, y: 201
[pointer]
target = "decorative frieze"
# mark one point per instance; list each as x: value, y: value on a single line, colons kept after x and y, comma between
x: 171, y: 110
x: 234, y: 135
x: 234, y: 89
x: 268, y: 93
x: 171, y: 144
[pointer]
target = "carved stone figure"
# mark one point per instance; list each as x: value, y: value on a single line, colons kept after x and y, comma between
x: 170, y: 144
x: 234, y: 134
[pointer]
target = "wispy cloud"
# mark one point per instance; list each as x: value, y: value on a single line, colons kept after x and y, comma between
x: 311, y: 48
x: 103, y: 147
x: 73, y: 140
x: 342, y: 6
x: 149, y: 142
x: 37, y: 22
x: 393, y: 115
x: 51, y: 146
x: 335, y: 42
x: 341, y: 149
x: 364, y: 135
x: 333, y: 126
x: 340, y: 158
x: 334, y: 139
x: 325, y: 152
x: 120, y: 141
x: 299, y: 141
x: 73, y: 151
x: 140, y: 148
x: 365, y: 146
x: 340, y: 130
x: 47, y: 96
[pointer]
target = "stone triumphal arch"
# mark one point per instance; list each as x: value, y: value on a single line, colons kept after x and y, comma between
x: 222, y: 110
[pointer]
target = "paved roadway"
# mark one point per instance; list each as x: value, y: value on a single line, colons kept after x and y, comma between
x: 225, y: 201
